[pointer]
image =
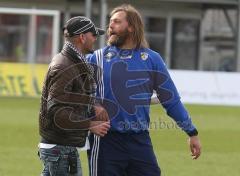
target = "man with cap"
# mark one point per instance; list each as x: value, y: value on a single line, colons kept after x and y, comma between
x: 68, y: 104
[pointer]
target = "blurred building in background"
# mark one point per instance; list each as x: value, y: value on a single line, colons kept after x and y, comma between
x: 189, y: 34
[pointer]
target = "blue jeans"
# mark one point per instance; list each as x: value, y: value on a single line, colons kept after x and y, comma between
x: 60, y: 161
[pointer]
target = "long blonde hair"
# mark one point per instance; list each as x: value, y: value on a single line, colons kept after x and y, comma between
x: 134, y: 20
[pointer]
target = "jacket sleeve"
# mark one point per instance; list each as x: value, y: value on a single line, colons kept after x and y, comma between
x: 170, y: 99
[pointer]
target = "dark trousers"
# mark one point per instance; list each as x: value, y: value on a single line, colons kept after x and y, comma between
x: 122, y: 154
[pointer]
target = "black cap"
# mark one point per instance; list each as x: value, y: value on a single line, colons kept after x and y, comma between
x: 80, y: 25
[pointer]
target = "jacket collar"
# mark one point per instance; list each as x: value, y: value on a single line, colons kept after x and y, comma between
x: 71, y: 50
x: 76, y: 56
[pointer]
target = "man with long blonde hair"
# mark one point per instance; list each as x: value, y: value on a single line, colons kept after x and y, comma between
x: 128, y: 73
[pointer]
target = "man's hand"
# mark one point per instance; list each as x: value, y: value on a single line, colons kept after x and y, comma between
x: 101, y: 113
x: 195, y: 146
x: 99, y: 128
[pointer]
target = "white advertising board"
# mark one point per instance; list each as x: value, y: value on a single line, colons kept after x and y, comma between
x: 198, y: 87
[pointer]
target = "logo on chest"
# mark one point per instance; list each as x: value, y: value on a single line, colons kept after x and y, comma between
x: 144, y: 56
x: 109, y: 55
x: 126, y: 54
x: 123, y: 54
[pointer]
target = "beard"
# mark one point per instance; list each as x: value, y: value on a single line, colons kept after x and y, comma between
x: 88, y: 48
x: 118, y: 39
x: 89, y: 51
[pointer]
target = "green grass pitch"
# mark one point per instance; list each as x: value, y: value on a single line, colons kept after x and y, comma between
x: 219, y: 129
